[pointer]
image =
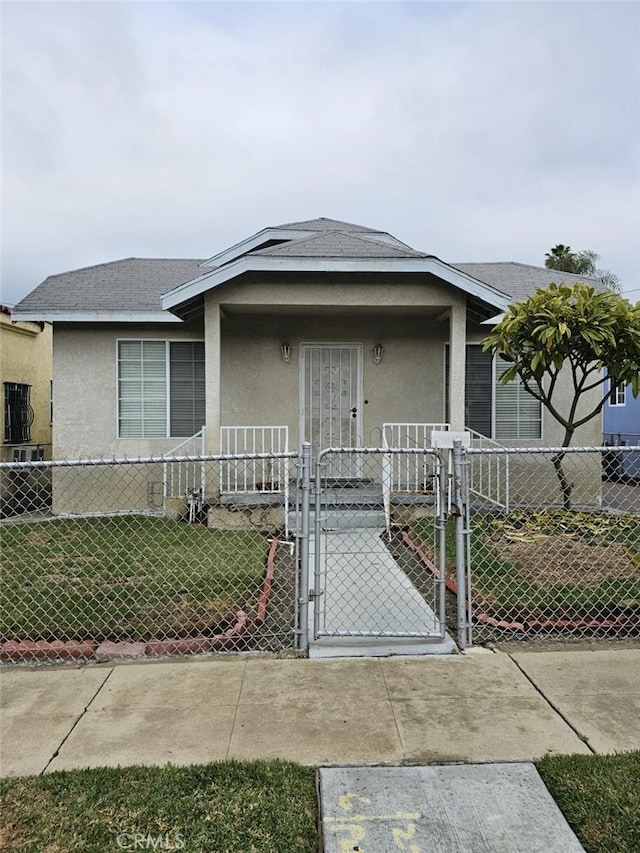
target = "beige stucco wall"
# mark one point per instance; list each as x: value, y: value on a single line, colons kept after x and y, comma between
x: 258, y: 387
x: 255, y: 316
x: 25, y: 357
x: 85, y: 416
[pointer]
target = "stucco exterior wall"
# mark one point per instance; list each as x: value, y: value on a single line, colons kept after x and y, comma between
x: 26, y: 358
x: 85, y: 411
x: 256, y: 315
x: 258, y: 387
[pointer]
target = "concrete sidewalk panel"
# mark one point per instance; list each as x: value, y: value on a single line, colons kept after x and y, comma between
x: 147, y: 736
x: 29, y: 742
x: 597, y: 691
x: 39, y: 707
x: 49, y: 691
x: 319, y: 732
x: 499, y: 808
x: 181, y: 685
x: 470, y: 677
x: 301, y: 681
x: 510, y: 728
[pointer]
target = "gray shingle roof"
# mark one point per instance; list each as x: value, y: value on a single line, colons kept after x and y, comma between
x: 323, y: 224
x: 131, y: 284
x: 137, y: 284
x: 519, y: 281
x: 341, y: 244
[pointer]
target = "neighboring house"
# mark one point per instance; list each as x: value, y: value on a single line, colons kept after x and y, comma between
x: 621, y: 427
x: 621, y: 421
x: 25, y: 369
x: 26, y: 360
x: 329, y: 329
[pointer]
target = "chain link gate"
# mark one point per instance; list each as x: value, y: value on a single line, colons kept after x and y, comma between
x: 377, y: 546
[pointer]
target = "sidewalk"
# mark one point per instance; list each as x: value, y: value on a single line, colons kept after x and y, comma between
x: 474, y: 707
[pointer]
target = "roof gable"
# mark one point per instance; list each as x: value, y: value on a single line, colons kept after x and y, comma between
x: 340, y: 244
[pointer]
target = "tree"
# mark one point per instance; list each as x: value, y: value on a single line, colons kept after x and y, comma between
x: 585, y: 262
x: 589, y: 335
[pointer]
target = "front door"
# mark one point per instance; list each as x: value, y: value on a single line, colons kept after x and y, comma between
x: 331, y: 395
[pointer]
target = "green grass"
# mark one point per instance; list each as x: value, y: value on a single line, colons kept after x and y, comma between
x: 599, y: 796
x: 499, y: 588
x: 126, y: 577
x: 228, y: 807
x: 264, y: 807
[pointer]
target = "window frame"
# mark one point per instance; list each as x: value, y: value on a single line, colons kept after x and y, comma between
x: 24, y: 423
x: 167, y: 382
x: 614, y: 394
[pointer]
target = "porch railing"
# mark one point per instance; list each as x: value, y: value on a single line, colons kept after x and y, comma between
x: 260, y: 475
x: 406, y: 473
x: 490, y: 475
x: 183, y: 478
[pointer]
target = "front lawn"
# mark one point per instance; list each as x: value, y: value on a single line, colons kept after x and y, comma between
x: 228, y: 807
x: 550, y: 565
x: 124, y: 577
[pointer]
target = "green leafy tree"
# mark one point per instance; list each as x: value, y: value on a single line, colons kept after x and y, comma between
x: 589, y: 335
x: 585, y: 262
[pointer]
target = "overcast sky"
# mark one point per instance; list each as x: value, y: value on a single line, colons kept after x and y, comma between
x: 481, y: 131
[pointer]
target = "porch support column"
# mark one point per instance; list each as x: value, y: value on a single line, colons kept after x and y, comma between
x: 212, y: 337
x: 457, y: 359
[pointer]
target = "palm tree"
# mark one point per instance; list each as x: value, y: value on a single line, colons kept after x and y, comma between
x: 560, y: 258
x: 584, y: 263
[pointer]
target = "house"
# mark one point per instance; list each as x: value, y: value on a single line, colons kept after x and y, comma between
x: 621, y: 427
x: 621, y: 416
x: 324, y: 330
x: 25, y: 358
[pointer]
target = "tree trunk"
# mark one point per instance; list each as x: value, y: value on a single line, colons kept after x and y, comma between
x: 565, y: 486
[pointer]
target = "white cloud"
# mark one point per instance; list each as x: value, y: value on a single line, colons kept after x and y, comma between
x: 477, y: 131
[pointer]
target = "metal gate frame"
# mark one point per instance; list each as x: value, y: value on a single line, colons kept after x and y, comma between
x: 316, y: 593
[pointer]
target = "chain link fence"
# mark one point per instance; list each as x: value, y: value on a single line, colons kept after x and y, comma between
x: 122, y: 562
x: 553, y: 542
x: 111, y: 559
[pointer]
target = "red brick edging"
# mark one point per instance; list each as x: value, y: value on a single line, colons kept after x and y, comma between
x: 519, y: 627
x: 26, y: 650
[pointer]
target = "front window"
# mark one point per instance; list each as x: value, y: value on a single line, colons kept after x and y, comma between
x: 18, y: 414
x: 501, y: 412
x: 161, y: 390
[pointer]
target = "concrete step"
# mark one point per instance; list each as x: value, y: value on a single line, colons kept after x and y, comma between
x: 346, y: 518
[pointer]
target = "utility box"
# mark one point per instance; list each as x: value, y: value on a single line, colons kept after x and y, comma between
x: 443, y: 439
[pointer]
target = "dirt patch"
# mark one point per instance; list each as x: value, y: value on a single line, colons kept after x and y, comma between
x: 561, y: 558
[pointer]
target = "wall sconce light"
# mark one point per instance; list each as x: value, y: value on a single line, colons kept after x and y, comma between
x: 285, y: 349
x: 378, y: 352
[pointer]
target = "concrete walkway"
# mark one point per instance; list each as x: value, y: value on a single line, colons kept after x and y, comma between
x: 475, y: 707
x: 365, y: 592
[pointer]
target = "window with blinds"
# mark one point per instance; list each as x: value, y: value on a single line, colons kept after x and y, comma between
x: 161, y: 389
x: 494, y: 410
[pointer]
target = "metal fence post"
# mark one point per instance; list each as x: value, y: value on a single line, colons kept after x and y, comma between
x: 305, y: 512
x: 460, y: 515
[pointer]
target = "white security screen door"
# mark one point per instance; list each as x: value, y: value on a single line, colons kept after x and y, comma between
x: 331, y: 396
